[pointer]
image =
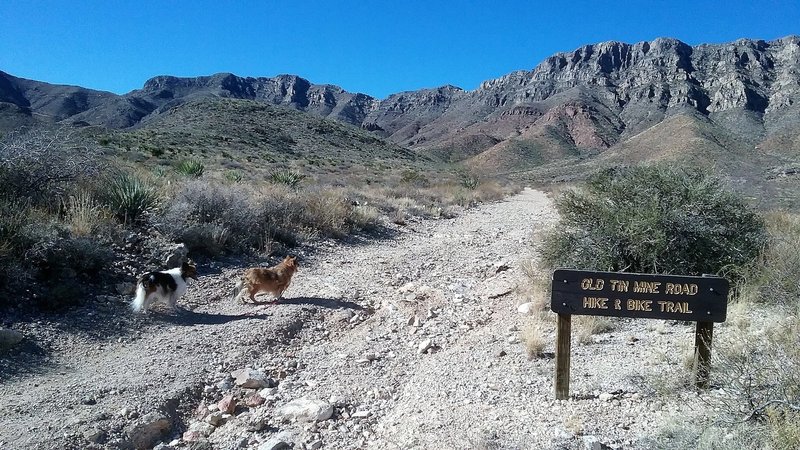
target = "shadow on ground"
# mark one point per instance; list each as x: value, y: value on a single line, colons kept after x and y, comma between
x: 24, y: 359
x: 187, y: 317
x: 319, y: 302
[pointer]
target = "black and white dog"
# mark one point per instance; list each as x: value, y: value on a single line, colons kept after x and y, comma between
x: 166, y: 286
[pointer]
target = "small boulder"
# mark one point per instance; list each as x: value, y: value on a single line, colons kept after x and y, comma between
x: 252, y: 379
x: 176, y: 256
x: 305, y: 410
x: 227, y: 404
x: 424, y: 346
x: 253, y: 400
x: 525, y: 308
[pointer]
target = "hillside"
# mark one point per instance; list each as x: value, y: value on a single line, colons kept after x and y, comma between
x: 743, y: 98
x: 257, y: 138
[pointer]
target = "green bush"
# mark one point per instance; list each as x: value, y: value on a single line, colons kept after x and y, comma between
x: 234, y: 176
x: 413, y: 177
x: 191, y: 168
x: 128, y: 197
x: 468, y: 181
x: 287, y: 177
x: 655, y: 219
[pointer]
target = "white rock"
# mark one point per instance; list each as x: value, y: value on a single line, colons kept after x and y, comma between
x: 215, y: 418
x: 605, y: 397
x: 525, y: 308
x: 305, y: 410
x: 250, y: 378
x: 424, y: 346
x: 267, y: 392
x: 362, y: 414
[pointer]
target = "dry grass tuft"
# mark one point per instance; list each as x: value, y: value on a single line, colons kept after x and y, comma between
x: 588, y: 326
x: 774, y: 278
x: 534, y: 338
x: 84, y: 215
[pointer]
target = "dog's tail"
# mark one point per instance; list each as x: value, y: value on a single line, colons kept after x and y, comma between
x: 237, y: 289
x: 141, y: 292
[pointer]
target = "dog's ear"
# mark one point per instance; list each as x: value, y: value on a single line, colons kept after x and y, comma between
x: 189, y: 269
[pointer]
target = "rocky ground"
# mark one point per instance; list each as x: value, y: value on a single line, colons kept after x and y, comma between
x: 409, y: 341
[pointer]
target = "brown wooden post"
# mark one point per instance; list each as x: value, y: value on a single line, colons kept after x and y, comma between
x: 704, y: 332
x: 563, y: 341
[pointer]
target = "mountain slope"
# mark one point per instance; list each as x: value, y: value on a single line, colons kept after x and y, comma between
x: 576, y: 104
x: 257, y: 138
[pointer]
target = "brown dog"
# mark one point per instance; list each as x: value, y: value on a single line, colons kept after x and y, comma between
x: 273, y: 279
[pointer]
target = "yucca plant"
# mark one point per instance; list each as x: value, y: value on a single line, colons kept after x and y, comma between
x: 191, y: 168
x: 128, y: 197
x: 288, y: 177
x: 469, y: 182
x: 234, y: 175
x: 159, y: 172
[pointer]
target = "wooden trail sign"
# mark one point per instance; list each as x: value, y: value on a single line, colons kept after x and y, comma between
x: 673, y: 297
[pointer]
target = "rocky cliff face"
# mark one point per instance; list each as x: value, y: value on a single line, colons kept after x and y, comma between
x: 589, y: 99
x: 628, y: 87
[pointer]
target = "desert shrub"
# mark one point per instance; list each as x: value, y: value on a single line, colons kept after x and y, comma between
x: 655, y: 219
x: 413, y: 177
x: 279, y: 209
x: 45, y: 165
x: 365, y: 217
x: 588, y: 326
x: 784, y: 429
x: 190, y: 168
x: 759, y: 374
x: 534, y: 338
x: 212, y: 218
x: 774, y: 276
x: 286, y: 177
x: 159, y: 172
x: 327, y: 212
x: 62, y: 254
x: 128, y: 196
x: 14, y: 218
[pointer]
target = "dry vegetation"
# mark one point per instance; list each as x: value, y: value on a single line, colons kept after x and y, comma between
x: 70, y: 209
x: 754, y: 401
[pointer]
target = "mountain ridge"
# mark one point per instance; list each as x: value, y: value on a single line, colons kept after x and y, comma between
x: 572, y: 104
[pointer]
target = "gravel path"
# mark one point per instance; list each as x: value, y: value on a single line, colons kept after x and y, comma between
x: 415, y: 342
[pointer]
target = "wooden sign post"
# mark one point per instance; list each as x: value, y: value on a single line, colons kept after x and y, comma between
x: 672, y: 297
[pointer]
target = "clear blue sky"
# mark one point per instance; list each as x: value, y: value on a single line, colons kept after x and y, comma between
x: 374, y: 47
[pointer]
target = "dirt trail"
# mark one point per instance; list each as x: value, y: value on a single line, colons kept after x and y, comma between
x: 415, y: 342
